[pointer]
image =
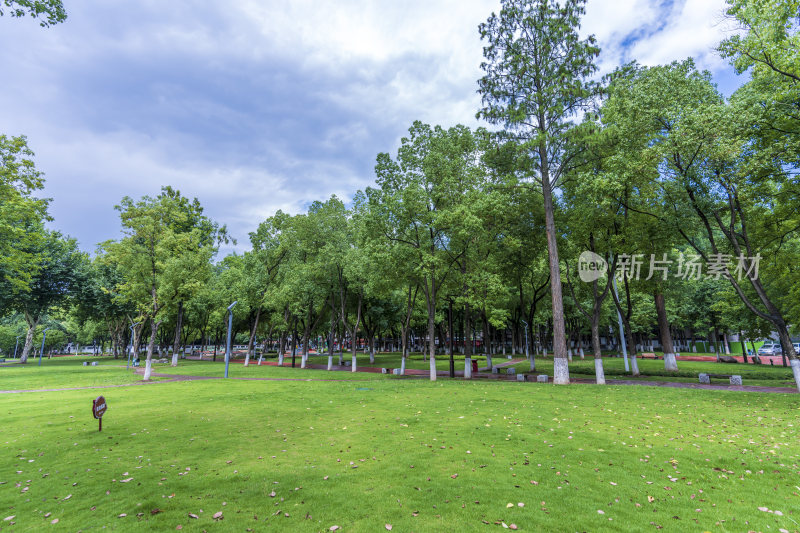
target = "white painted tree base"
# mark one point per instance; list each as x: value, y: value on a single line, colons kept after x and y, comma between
x: 598, y: 372
x: 303, y: 360
x: 489, y: 362
x: 468, y: 368
x: 560, y: 371
x: 330, y: 362
x: 634, y: 365
x: 796, y: 371
x: 670, y: 363
x: 353, y: 364
x: 433, y: 368
x: 280, y: 359
x: 148, y: 368
x: 175, y: 360
x: 402, y: 366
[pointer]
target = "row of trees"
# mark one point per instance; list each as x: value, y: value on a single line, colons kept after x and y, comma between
x: 649, y: 169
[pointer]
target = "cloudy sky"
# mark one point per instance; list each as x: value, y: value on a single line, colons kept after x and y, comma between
x: 258, y: 105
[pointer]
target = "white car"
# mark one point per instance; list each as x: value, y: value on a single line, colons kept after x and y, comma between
x: 770, y: 349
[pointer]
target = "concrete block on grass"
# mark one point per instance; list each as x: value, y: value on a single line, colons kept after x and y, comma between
x: 542, y: 378
x: 521, y: 377
x: 511, y: 371
x: 736, y: 380
x: 704, y: 378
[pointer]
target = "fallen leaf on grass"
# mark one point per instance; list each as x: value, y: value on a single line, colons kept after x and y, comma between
x: 9, y: 518
x: 333, y: 528
x: 54, y: 521
x: 388, y: 527
x: 126, y: 480
x: 218, y: 515
x: 192, y: 515
x: 123, y: 515
x: 651, y: 499
x: 155, y: 511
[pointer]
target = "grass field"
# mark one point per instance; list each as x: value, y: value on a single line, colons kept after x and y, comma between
x: 64, y: 372
x: 651, y: 369
x: 417, y: 455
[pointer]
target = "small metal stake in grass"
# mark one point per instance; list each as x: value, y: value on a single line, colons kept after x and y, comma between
x: 98, y: 409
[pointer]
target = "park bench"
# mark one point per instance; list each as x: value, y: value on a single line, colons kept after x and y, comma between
x: 733, y: 378
x: 649, y: 356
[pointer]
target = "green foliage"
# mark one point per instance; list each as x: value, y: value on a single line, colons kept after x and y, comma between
x: 21, y: 213
x: 48, y: 11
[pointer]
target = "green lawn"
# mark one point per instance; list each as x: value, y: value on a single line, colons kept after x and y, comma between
x: 421, y: 456
x: 651, y: 369
x: 64, y: 372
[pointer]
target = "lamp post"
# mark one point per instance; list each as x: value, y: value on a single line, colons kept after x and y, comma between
x: 128, y: 365
x: 621, y: 327
x: 16, y: 346
x: 228, y: 346
x: 44, y: 336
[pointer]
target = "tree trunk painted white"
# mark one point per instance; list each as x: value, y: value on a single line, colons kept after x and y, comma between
x: 504, y: 348
x: 303, y: 360
x: 560, y: 370
x: 670, y: 363
x: 403, y: 365
x: 725, y: 342
x: 176, y: 345
x: 598, y: 372
x: 280, y: 358
x: 330, y: 361
x: 433, y: 367
x: 796, y: 371
x: 634, y: 365
x: 532, y: 359
x: 353, y: 365
x: 372, y: 350
x: 489, y: 362
x: 468, y: 368
x: 581, y: 352
x: 26, y: 350
x: 148, y: 366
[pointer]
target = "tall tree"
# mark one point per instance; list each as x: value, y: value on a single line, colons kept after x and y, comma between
x: 537, y: 69
x: 21, y: 213
x: 60, y: 268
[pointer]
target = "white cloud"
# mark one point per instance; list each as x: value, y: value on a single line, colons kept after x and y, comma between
x: 256, y: 106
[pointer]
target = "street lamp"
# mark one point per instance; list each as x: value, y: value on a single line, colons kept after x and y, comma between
x: 621, y: 327
x: 44, y: 336
x: 16, y: 346
x: 127, y: 366
x: 228, y: 347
